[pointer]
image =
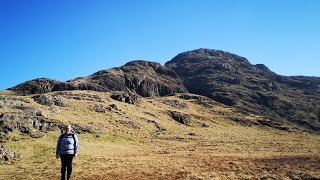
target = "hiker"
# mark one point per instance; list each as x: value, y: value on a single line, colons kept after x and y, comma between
x: 67, y: 149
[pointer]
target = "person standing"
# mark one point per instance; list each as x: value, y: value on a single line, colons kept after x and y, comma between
x: 67, y: 149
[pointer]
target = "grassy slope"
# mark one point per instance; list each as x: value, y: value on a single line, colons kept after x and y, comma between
x: 222, y: 150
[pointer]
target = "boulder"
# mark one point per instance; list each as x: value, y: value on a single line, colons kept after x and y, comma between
x: 7, y: 156
x: 114, y: 106
x: 129, y: 98
x: 54, y: 109
x: 129, y: 123
x: 6, y: 103
x: 99, y: 108
x: 180, y: 117
x: 49, y: 100
x: 31, y: 111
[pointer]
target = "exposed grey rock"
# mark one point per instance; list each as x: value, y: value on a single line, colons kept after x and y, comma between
x: 193, y: 96
x: 7, y: 156
x: 31, y: 111
x: 99, y: 108
x: 33, y: 126
x: 54, y: 109
x: 49, y: 100
x: 141, y: 77
x: 205, y: 125
x: 180, y: 117
x: 129, y: 98
x: 270, y: 123
x: 114, y: 106
x: 6, y: 103
x: 36, y: 86
x: 129, y: 123
x: 60, y: 101
x: 158, y: 126
x: 175, y: 104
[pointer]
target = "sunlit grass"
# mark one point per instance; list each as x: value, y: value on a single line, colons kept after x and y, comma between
x: 222, y: 150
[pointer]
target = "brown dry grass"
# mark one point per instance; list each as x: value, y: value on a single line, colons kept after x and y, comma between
x: 224, y: 150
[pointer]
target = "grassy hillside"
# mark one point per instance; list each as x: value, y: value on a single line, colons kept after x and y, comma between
x: 143, y: 141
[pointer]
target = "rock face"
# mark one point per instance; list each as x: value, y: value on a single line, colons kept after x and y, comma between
x: 6, y: 156
x: 129, y: 98
x: 45, y: 85
x: 180, y: 117
x: 49, y: 100
x: 31, y: 125
x: 140, y: 77
x: 233, y: 81
x: 36, y: 86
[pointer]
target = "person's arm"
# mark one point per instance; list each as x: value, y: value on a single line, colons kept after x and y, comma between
x: 58, y: 147
x: 76, y: 145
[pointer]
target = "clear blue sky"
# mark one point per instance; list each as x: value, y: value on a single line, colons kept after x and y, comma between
x: 65, y: 39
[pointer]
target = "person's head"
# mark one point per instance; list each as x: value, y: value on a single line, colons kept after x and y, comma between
x: 67, y: 129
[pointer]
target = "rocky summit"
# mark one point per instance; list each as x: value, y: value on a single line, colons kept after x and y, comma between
x: 234, y: 81
x: 222, y: 76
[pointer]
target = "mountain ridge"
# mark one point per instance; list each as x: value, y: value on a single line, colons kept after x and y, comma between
x: 222, y: 76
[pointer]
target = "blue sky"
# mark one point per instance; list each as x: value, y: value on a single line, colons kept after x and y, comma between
x: 65, y: 39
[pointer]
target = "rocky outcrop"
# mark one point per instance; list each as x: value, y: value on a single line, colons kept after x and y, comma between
x: 6, y: 103
x: 45, y: 85
x: 141, y: 77
x: 17, y: 116
x: 49, y: 100
x: 31, y: 111
x: 33, y: 126
x: 99, y: 108
x: 7, y: 156
x: 129, y: 98
x: 36, y: 86
x: 180, y: 117
x: 232, y: 80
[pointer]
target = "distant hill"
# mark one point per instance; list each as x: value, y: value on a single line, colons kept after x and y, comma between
x: 224, y: 77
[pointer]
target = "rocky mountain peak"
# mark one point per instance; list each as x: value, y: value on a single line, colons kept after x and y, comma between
x: 209, y: 61
x: 201, y: 55
x: 142, y: 63
x: 232, y: 80
x: 146, y: 67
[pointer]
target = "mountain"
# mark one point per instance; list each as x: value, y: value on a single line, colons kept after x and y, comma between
x: 206, y: 114
x: 142, y: 77
x: 234, y: 81
x: 222, y: 76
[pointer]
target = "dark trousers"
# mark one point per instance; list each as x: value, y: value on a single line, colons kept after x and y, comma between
x: 66, y: 165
